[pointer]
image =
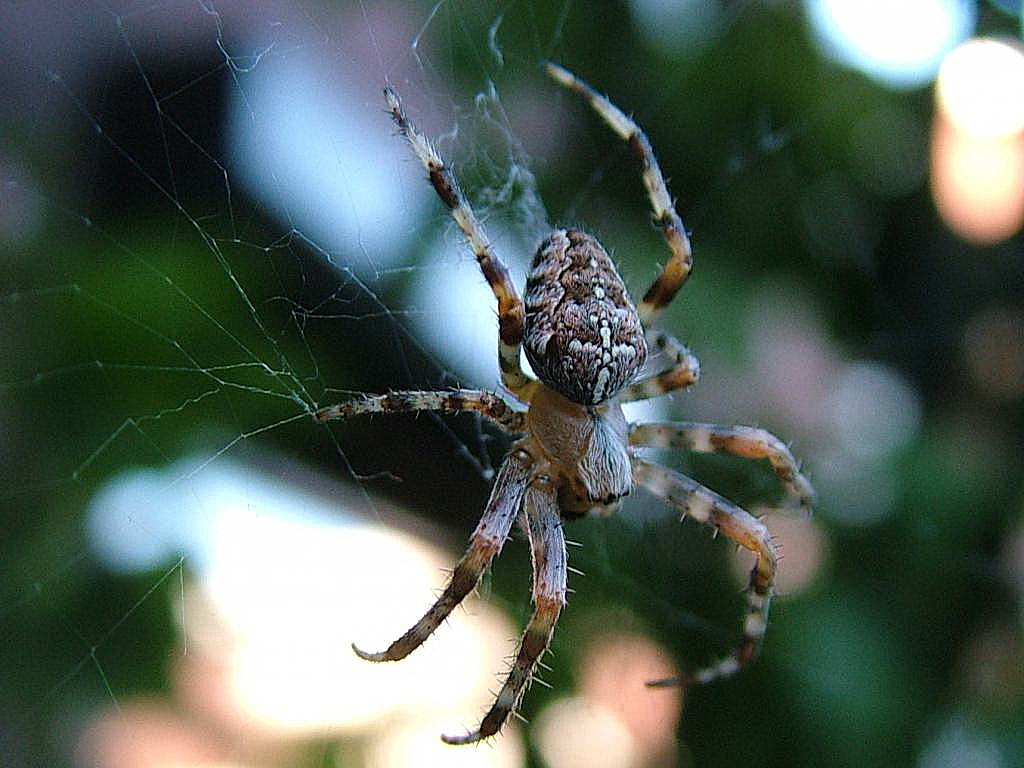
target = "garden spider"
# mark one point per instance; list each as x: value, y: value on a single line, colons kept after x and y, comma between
x: 577, y: 454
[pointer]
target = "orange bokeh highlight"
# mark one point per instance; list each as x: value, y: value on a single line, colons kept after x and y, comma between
x: 615, y: 720
x: 977, y: 157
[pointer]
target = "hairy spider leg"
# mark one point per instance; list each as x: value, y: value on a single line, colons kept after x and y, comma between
x: 487, y: 404
x: 675, y: 272
x: 745, y: 442
x: 486, y: 542
x: 510, y: 306
x: 706, y: 506
x: 525, y: 487
x: 682, y: 372
x: 547, y: 546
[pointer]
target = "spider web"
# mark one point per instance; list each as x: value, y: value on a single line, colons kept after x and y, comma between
x: 211, y: 230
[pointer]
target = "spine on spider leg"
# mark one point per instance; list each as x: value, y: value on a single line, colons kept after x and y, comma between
x: 534, y: 643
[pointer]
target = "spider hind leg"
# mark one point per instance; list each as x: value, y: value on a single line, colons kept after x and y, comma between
x: 485, y: 543
x: 704, y: 505
x: 744, y: 442
x: 547, y: 547
x: 683, y: 371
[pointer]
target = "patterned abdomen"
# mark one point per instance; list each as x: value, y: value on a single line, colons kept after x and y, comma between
x: 582, y: 334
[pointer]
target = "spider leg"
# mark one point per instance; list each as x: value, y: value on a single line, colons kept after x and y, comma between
x: 487, y: 404
x: 547, y: 546
x: 675, y: 272
x: 510, y: 306
x: 485, y: 543
x: 746, y: 442
x: 709, y: 508
x: 683, y: 372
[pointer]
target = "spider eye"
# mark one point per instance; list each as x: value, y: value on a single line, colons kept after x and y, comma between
x: 582, y: 334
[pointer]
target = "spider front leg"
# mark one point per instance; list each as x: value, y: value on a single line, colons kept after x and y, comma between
x: 511, y: 313
x: 675, y: 272
x: 683, y: 371
x: 706, y: 506
x: 484, y: 545
x: 486, y: 404
x: 547, y: 547
x: 745, y: 442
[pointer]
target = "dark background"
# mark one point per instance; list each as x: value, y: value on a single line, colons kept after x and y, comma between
x: 911, y: 628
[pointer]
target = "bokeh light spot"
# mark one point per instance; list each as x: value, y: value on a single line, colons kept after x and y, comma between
x: 981, y: 86
x: 994, y: 349
x: 957, y: 746
x: 899, y: 44
x: 803, y: 547
x: 876, y: 411
x: 978, y: 141
x: 616, y: 721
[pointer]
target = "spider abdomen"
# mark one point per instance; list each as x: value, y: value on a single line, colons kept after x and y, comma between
x: 582, y: 334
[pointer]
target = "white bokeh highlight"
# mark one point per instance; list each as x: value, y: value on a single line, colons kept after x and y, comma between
x: 279, y: 581
x: 899, y: 44
x: 316, y: 147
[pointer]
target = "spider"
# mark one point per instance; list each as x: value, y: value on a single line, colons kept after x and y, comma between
x: 587, y: 343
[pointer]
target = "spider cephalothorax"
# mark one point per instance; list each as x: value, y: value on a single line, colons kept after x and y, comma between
x: 576, y: 453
